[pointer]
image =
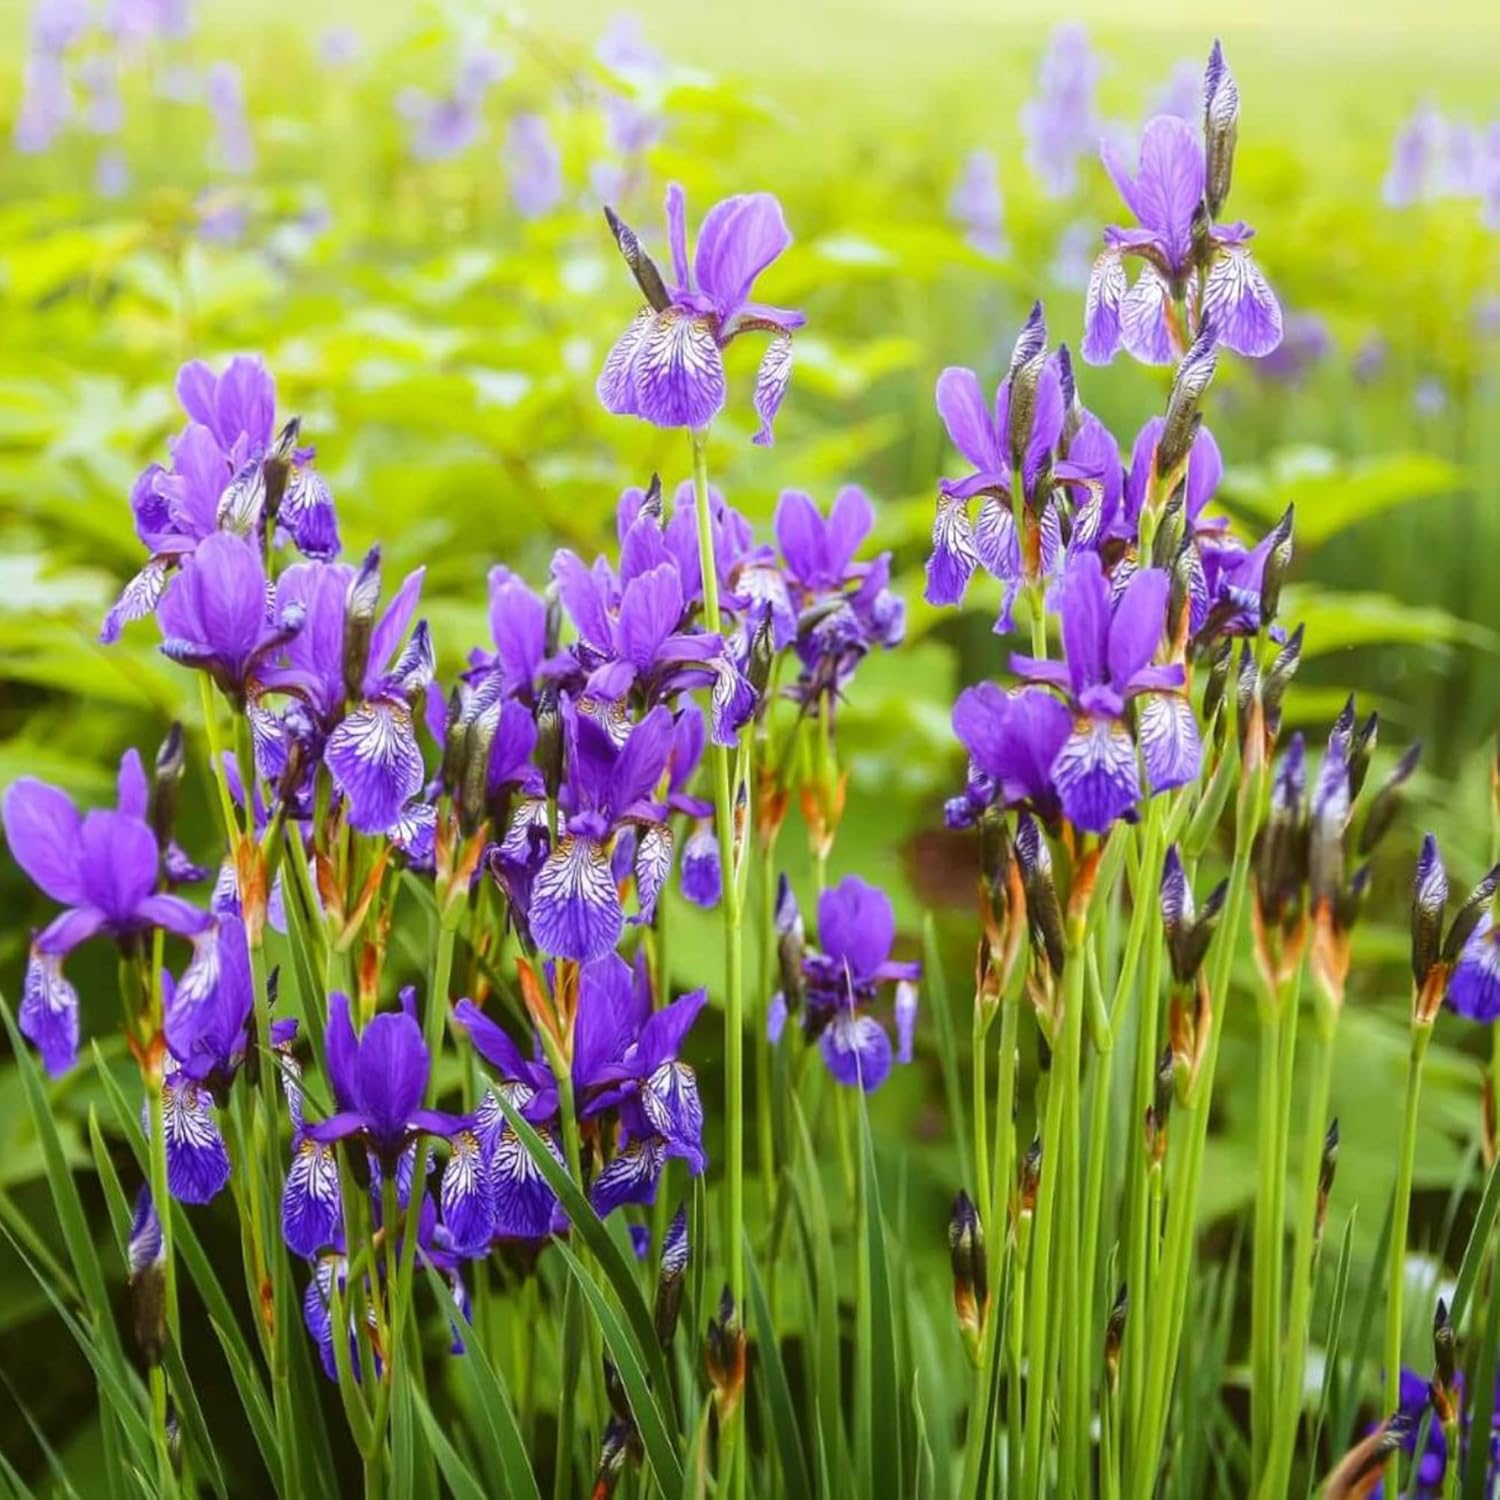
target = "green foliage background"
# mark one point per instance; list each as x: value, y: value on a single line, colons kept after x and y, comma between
x: 442, y: 353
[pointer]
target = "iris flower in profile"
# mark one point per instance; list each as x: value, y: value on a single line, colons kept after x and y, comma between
x: 104, y: 867
x: 668, y: 367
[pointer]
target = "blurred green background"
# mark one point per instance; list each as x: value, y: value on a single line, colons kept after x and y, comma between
x: 442, y: 347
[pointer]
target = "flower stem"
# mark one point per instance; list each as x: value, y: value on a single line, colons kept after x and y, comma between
x: 1289, y: 1408
x: 734, y: 999
x: 1165, y: 1333
x: 1400, y: 1219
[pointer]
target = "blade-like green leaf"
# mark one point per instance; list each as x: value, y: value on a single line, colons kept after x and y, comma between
x: 617, y: 1270
x: 935, y: 980
x: 778, y: 1396
x: 656, y: 1439
x: 460, y: 1479
x: 878, y: 1319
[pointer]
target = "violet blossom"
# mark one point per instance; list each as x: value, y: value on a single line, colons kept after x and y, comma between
x: 667, y: 368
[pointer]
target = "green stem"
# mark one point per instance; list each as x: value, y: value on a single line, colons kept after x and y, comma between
x: 436, y: 1014
x: 1400, y: 1219
x: 1166, y: 1331
x: 1289, y: 1408
x: 983, y: 1193
x: 1263, y: 1309
x: 162, y: 1202
x: 734, y: 999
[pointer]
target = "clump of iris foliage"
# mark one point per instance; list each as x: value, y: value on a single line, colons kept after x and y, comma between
x: 407, y: 1133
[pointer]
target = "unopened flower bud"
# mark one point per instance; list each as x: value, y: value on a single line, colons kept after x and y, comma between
x: 243, y: 502
x: 671, y: 1278
x: 479, y: 743
x: 1444, y: 1385
x: 359, y: 622
x: 1361, y: 748
x: 791, y: 945
x: 1279, y: 678
x: 548, y: 754
x: 1387, y: 801
x: 1183, y: 419
x: 642, y: 267
x: 725, y: 1356
x: 1221, y: 121
x: 971, y: 1292
x: 1030, y: 1177
x: 278, y: 467
x: 1469, y: 915
x: 1218, y: 679
x: 1114, y: 1336
x: 455, y: 733
x: 1329, y: 817
x: 1026, y: 361
x: 166, y: 784
x: 1246, y: 693
x: 1429, y: 897
x: 1327, y: 1166
x: 651, y: 503
x: 1043, y: 911
x: 614, y: 1449
x: 148, y: 1280
x: 1278, y: 561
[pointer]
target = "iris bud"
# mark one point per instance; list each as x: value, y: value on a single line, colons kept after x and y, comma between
x: 1221, y: 120
x: 671, y: 1279
x: 642, y: 267
x: 166, y: 783
x: 1278, y: 560
x: 359, y: 623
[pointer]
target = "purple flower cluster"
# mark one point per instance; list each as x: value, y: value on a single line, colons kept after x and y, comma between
x: 1438, y: 158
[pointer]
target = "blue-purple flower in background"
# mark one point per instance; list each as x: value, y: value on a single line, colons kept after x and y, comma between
x: 976, y: 204
x: 105, y: 868
x: 533, y: 166
x: 842, y: 978
x: 667, y: 368
x: 1061, y: 122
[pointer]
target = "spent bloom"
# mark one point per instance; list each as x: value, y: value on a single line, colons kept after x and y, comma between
x: 668, y: 367
x: 1194, y: 271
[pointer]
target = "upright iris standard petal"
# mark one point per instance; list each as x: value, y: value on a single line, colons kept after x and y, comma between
x: 738, y: 239
x: 856, y: 925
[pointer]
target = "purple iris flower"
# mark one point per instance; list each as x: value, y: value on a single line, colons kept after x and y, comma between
x: 667, y: 368
x: 842, y: 979
x: 1416, y: 158
x: 105, y: 868
x: 360, y: 709
x: 1013, y: 740
x: 976, y: 204
x: 534, y: 166
x: 1108, y: 649
x: 575, y: 906
x: 848, y: 606
x: 215, y: 615
x: 1049, y: 433
x: 226, y: 103
x: 217, y: 481
x: 1061, y: 122
x: 378, y: 1080
x: 626, y: 1066
x: 1167, y: 194
x: 1474, y: 989
x: 632, y: 629
x: 518, y: 624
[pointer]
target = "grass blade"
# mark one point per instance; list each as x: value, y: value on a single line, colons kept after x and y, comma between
x: 778, y: 1396
x: 661, y: 1452
x: 456, y: 1473
x: 935, y: 980
x: 877, y: 1318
